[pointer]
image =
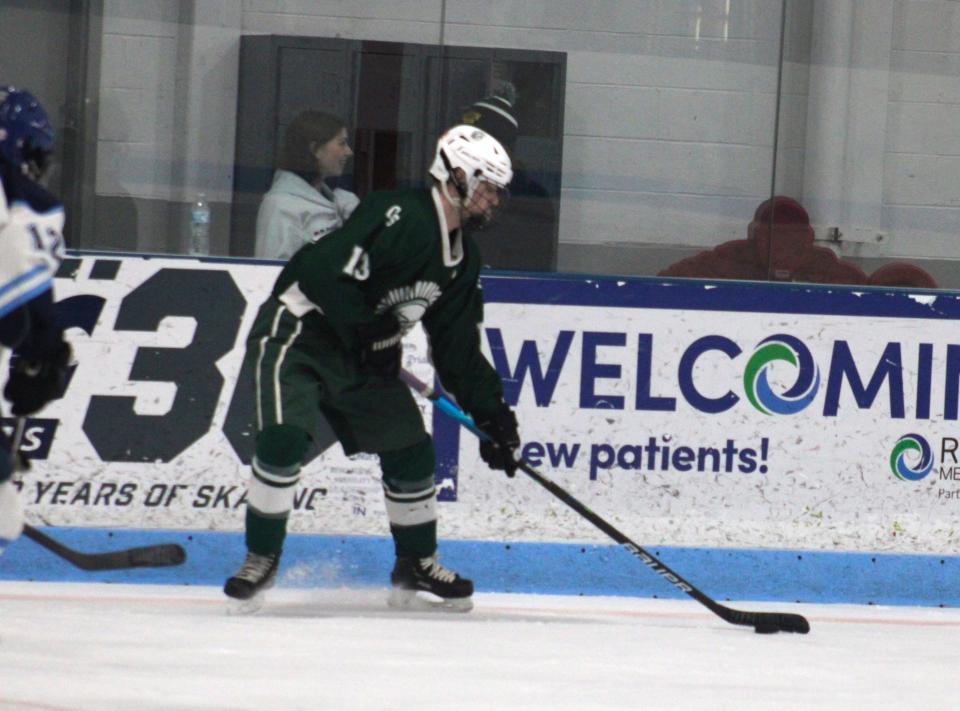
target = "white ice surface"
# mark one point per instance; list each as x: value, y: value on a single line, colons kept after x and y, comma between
x: 94, y: 647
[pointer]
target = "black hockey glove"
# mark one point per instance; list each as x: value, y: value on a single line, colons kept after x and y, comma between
x: 499, y: 452
x: 37, y: 380
x: 381, y: 346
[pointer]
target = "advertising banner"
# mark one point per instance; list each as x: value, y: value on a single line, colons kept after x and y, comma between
x: 686, y: 413
x: 154, y: 430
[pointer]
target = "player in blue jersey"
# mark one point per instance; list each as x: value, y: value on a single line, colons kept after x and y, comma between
x: 31, y: 247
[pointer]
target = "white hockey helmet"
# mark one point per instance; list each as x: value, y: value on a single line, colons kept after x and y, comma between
x: 481, y: 157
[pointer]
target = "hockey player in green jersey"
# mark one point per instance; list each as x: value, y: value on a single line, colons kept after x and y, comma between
x: 327, y: 343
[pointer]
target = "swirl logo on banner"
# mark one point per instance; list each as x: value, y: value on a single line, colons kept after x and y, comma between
x: 756, y: 382
x: 920, y: 449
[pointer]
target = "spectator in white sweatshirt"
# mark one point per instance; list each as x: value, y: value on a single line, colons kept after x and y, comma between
x: 300, y: 207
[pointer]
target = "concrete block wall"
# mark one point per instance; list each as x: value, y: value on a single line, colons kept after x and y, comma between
x: 921, y: 191
x: 138, y: 73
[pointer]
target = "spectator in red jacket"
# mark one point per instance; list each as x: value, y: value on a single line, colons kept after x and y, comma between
x: 779, y: 247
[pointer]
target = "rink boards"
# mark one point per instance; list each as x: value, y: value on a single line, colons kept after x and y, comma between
x: 806, y: 432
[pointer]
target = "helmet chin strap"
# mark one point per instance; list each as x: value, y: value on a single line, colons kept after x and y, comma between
x: 35, y: 165
x: 452, y: 176
x: 458, y: 202
x: 32, y: 171
x: 466, y: 219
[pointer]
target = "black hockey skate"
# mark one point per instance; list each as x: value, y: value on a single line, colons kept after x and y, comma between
x: 255, y: 575
x: 426, y: 575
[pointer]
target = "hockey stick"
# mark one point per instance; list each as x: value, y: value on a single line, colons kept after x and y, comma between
x: 156, y: 556
x: 764, y: 622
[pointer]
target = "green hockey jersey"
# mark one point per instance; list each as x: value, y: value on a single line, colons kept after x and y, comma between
x: 395, y: 254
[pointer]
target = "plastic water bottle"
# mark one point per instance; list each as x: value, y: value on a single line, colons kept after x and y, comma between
x: 200, y: 226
